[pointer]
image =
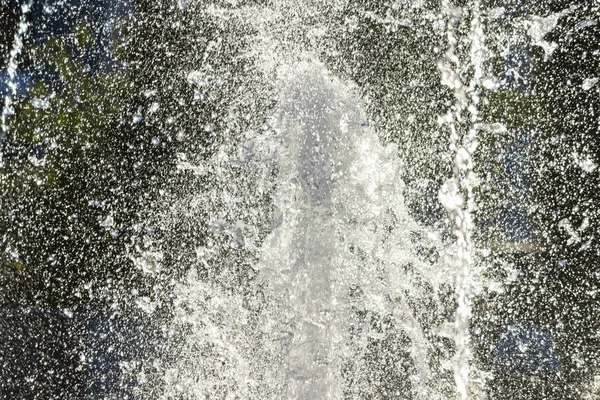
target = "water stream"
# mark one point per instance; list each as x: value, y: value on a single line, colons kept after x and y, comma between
x: 343, y: 229
x: 12, y: 70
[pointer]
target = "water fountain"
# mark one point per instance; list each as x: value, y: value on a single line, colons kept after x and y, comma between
x: 282, y: 200
x: 340, y: 246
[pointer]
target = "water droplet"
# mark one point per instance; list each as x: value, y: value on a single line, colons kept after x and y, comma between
x: 42, y: 104
x: 153, y: 108
x: 589, y: 83
x: 48, y: 9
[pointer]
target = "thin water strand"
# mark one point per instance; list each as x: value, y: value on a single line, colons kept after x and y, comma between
x: 13, y: 63
x: 457, y: 193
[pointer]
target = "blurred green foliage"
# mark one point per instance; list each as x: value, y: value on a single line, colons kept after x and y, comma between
x: 66, y: 170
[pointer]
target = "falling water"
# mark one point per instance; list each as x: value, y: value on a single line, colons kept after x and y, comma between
x: 457, y: 193
x: 12, y: 70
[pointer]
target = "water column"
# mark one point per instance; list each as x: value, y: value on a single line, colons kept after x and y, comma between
x: 337, y: 186
x: 12, y: 70
x: 457, y: 193
x: 302, y: 258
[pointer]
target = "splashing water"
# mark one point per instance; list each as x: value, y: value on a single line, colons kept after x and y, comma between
x: 288, y: 251
x: 336, y: 187
x: 345, y: 269
x: 342, y: 246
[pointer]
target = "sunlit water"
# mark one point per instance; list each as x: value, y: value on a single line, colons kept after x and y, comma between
x: 315, y: 279
x: 343, y: 256
x: 352, y: 296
